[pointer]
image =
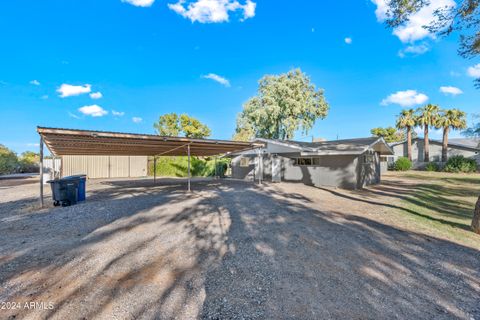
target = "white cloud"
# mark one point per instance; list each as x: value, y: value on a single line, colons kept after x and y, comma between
x: 93, y: 110
x: 213, y: 11
x: 414, y: 28
x: 217, y: 78
x: 140, y: 3
x: 33, y: 144
x: 348, y: 40
x: 451, y: 90
x: 137, y: 119
x: 44, y: 97
x: 382, y: 9
x: 474, y: 71
x: 118, y: 113
x: 96, y: 95
x: 67, y: 90
x: 35, y: 82
x: 414, y: 50
x: 405, y: 98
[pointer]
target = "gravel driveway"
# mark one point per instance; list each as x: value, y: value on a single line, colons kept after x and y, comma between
x: 228, y: 250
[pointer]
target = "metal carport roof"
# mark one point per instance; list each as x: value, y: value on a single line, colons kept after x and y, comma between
x: 62, y: 142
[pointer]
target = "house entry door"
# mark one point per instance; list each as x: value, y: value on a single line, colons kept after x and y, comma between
x: 276, y: 169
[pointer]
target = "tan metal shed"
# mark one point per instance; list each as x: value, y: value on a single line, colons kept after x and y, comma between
x: 105, y: 166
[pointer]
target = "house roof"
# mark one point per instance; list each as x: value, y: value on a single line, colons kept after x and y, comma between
x: 87, y: 142
x: 470, y: 144
x: 334, y: 147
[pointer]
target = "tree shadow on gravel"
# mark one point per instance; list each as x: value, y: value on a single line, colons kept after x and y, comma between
x: 229, y: 249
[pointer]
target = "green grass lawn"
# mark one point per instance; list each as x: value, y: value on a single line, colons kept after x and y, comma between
x: 440, y: 203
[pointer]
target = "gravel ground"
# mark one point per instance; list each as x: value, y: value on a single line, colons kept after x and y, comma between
x: 228, y: 250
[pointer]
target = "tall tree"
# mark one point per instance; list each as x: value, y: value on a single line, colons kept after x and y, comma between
x: 168, y: 125
x: 193, y: 128
x: 407, y: 120
x: 172, y: 125
x: 463, y: 18
x: 390, y: 134
x: 8, y: 160
x: 452, y: 119
x: 474, y: 132
x: 284, y: 104
x: 427, y: 117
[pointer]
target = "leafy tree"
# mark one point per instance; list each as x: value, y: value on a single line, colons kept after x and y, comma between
x: 8, y: 160
x: 168, y: 125
x: 464, y: 18
x: 407, y: 120
x: 390, y: 134
x: 29, y: 162
x: 244, y: 131
x: 474, y: 131
x: 427, y: 117
x: 453, y: 119
x: 193, y: 128
x: 284, y: 103
x: 172, y: 125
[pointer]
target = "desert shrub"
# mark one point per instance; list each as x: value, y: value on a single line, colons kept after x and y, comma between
x: 403, y: 164
x: 8, y: 160
x: 178, y: 166
x: 29, y: 162
x: 460, y: 164
x: 432, y: 166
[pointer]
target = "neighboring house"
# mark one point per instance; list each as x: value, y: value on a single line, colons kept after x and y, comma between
x: 349, y: 164
x: 469, y: 148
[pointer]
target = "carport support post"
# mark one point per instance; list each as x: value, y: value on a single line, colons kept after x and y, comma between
x: 260, y: 169
x: 154, y: 169
x: 188, y: 150
x: 216, y: 174
x: 41, y: 171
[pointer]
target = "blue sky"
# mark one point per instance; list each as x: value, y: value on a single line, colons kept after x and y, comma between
x: 204, y: 57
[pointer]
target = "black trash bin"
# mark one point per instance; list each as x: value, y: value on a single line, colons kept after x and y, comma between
x: 80, y: 181
x: 64, y: 192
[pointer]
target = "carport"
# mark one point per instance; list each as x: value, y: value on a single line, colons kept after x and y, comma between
x: 64, y: 142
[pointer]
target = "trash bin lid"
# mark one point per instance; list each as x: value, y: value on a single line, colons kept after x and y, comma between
x: 78, y: 176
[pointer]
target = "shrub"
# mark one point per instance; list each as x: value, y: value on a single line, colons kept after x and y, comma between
x: 432, y: 166
x: 460, y: 164
x: 403, y: 164
x: 178, y: 166
x: 8, y: 160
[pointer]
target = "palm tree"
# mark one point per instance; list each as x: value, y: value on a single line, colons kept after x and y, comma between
x: 407, y: 120
x: 428, y: 116
x: 453, y: 119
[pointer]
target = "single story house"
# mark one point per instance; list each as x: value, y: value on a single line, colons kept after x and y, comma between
x: 469, y: 148
x: 348, y: 164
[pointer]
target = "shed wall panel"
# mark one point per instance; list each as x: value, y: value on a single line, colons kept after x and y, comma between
x: 96, y: 167
x: 119, y: 167
x: 138, y: 166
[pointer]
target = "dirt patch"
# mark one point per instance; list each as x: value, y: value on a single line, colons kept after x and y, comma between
x: 230, y: 249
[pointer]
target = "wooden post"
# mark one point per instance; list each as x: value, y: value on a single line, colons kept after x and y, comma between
x: 188, y: 150
x: 260, y: 167
x: 154, y: 169
x: 54, y: 167
x: 41, y: 171
x: 216, y: 174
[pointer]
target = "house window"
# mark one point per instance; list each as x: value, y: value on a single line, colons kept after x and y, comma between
x: 303, y: 161
x: 244, y: 162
